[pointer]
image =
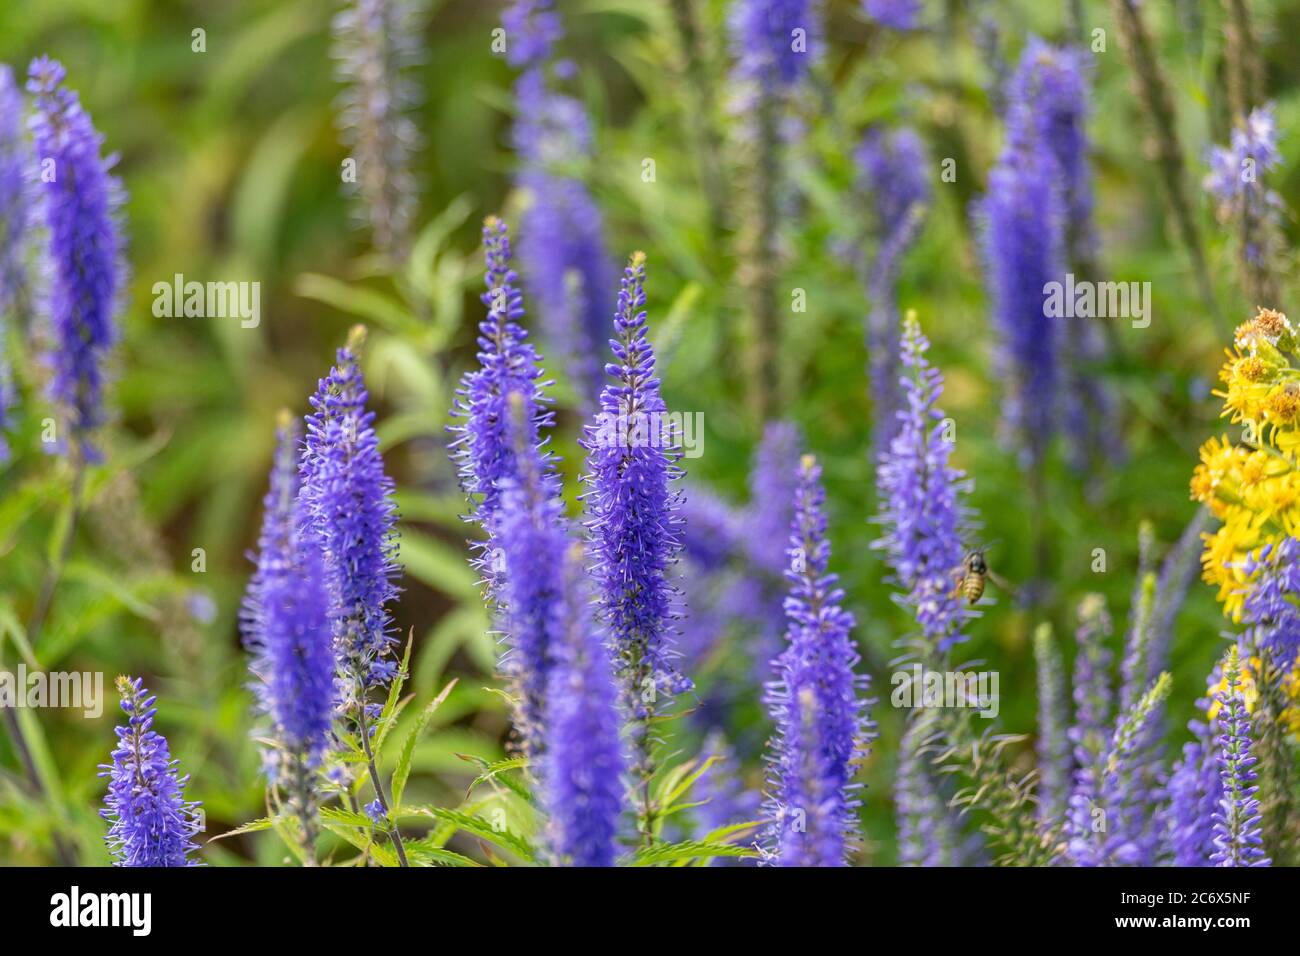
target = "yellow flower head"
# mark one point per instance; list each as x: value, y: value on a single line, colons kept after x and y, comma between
x: 1253, y: 487
x: 1268, y: 327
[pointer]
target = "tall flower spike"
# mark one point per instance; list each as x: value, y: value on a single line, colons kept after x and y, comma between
x: 775, y: 41
x: 583, y: 766
x: 773, y: 480
x: 1054, y: 760
x: 1237, y: 833
x: 79, y: 208
x: 816, y: 703
x: 1194, y: 794
x: 1047, y: 105
x: 1270, y: 603
x: 631, y: 507
x: 347, y: 501
x: 928, y: 833
x: 152, y: 822
x: 772, y: 485
x: 893, y: 171
x: 529, y: 537
x: 15, y: 223
x: 1020, y: 220
x: 482, y: 448
x: 376, y: 42
x: 1127, y: 803
x: 921, y: 495
x: 15, y: 199
x: 1237, y: 181
x: 562, y: 236
x: 286, y: 622
x: 1093, y: 701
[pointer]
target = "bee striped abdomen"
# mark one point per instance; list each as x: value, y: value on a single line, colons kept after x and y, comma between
x: 972, y: 586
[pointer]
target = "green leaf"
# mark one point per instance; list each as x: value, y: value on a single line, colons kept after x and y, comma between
x: 403, y: 770
x: 476, y: 826
x: 497, y: 772
x: 426, y: 851
x: 681, y: 779
x: 256, y: 826
x: 348, y: 818
x: 688, y: 850
x: 111, y: 585
x: 359, y: 301
x: 364, y: 843
x: 10, y: 625
x: 388, y: 716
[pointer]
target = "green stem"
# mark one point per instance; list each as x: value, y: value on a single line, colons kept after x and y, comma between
x: 395, y: 833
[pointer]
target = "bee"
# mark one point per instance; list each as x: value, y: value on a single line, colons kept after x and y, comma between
x: 973, y: 576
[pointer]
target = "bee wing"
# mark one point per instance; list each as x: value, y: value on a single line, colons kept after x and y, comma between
x: 1002, y: 583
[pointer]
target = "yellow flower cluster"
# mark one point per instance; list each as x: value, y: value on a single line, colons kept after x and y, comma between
x: 1253, y: 486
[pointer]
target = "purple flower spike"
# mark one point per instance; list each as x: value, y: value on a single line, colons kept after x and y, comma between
x: 376, y: 42
x: 286, y: 623
x: 152, y: 822
x: 482, y: 448
x: 928, y: 832
x: 1020, y: 221
x: 632, y: 510
x: 894, y: 168
x: 1270, y: 605
x: 529, y: 536
x: 583, y: 768
x: 562, y: 236
x: 1237, y: 181
x: 15, y: 227
x: 1093, y: 701
x: 1194, y: 795
x: 1047, y: 105
x: 921, y: 499
x: 79, y: 206
x: 1237, y: 832
x: 347, y: 501
x: 772, y: 485
x: 1054, y: 759
x: 774, y: 41
x: 822, y: 725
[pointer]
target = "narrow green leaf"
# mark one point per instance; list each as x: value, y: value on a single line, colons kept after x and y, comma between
x: 256, y: 826
x: 403, y: 770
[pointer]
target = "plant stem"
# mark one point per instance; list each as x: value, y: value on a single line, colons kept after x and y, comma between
x: 1153, y: 92
x: 395, y: 833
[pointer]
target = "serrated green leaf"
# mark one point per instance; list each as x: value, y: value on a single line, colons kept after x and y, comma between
x: 256, y: 826
x: 688, y: 850
x: 387, y: 716
x: 403, y: 770
x: 421, y: 851
x: 476, y: 826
